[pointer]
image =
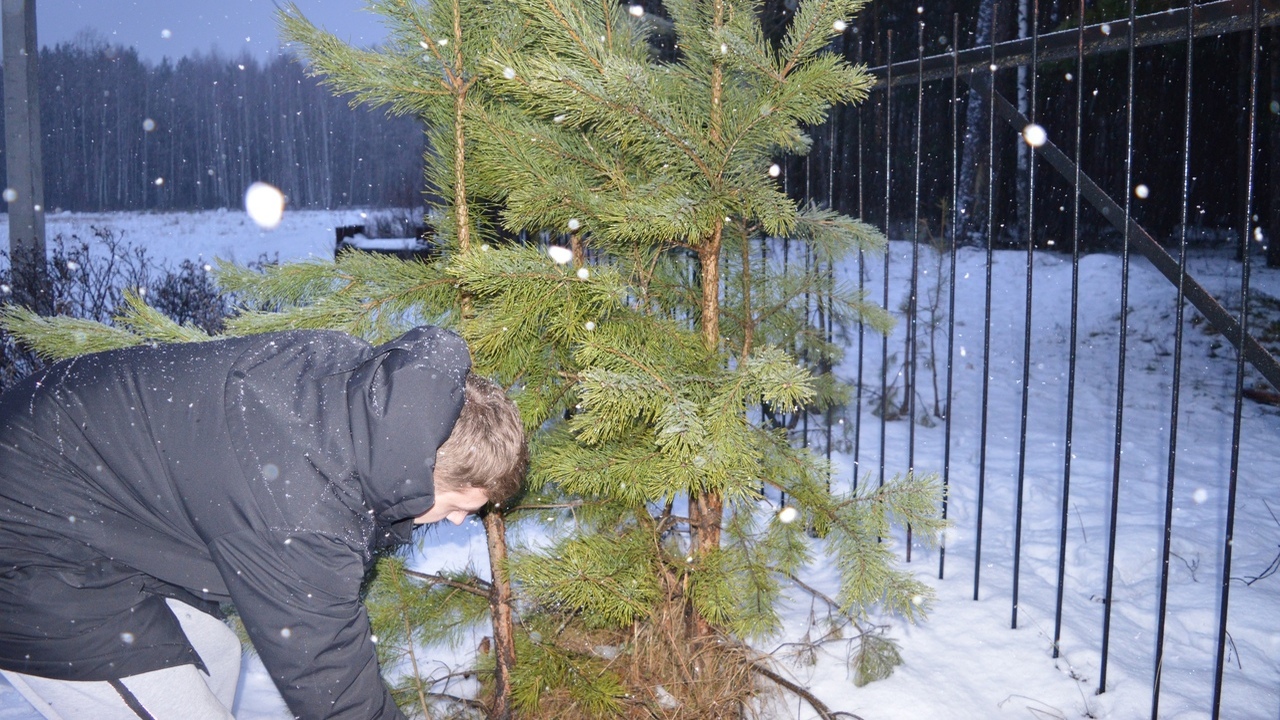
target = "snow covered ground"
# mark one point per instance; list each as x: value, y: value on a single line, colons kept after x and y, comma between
x: 966, y: 661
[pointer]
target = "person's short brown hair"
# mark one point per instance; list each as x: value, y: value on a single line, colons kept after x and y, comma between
x: 487, y: 447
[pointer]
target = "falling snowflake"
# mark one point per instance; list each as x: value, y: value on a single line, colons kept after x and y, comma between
x: 1142, y: 192
x: 1035, y: 135
x: 560, y: 255
x: 583, y: 273
x: 787, y: 515
x: 265, y: 205
x: 775, y: 170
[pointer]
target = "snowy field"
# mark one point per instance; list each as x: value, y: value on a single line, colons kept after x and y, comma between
x: 966, y: 661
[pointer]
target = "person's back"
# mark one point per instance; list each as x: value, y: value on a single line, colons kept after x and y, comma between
x: 260, y: 470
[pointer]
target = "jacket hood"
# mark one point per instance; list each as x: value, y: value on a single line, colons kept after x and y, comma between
x: 404, y: 400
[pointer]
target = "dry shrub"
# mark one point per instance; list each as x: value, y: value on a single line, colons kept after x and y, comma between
x: 665, y: 674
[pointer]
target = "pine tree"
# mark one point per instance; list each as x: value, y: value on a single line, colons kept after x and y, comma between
x: 649, y: 358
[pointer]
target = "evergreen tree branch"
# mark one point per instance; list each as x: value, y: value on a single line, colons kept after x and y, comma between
x: 62, y: 337
x: 800, y: 691
x: 573, y: 34
x: 413, y: 661
x: 476, y: 587
x: 830, y: 601
x: 637, y: 112
x: 465, y: 702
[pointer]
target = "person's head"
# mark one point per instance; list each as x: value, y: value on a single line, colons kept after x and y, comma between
x: 484, y: 459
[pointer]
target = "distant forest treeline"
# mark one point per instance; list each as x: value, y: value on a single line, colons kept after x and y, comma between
x: 123, y: 134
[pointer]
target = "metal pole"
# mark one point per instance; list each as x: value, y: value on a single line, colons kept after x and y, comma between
x: 1233, y: 482
x: 1026, y: 332
x: 888, y: 185
x: 951, y: 291
x: 1124, y: 339
x: 862, y: 286
x: 986, y: 327
x: 1163, y: 603
x: 25, y: 192
x: 913, y: 302
x: 1071, y: 352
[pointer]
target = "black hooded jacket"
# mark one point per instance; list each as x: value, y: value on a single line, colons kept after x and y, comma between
x: 260, y: 470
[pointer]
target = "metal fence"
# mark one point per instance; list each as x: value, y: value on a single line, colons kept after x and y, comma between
x: 906, y: 160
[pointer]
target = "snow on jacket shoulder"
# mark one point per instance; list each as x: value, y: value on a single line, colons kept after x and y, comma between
x: 261, y: 470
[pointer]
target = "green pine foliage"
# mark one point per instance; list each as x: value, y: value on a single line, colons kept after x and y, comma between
x: 651, y: 371
x: 559, y: 673
x: 409, y: 613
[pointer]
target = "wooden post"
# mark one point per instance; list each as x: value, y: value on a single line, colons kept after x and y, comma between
x: 25, y: 191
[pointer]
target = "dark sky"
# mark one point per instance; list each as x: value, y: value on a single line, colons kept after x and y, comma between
x: 174, y: 28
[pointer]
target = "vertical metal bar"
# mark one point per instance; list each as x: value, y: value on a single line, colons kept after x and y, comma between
x: 1075, y: 334
x: 1162, y: 603
x: 951, y: 291
x: 786, y: 270
x: 986, y: 326
x: 829, y: 330
x: 808, y: 296
x: 1124, y: 339
x: 862, y: 286
x: 764, y: 264
x: 913, y: 301
x: 1234, y: 479
x: 888, y: 176
x: 1026, y: 330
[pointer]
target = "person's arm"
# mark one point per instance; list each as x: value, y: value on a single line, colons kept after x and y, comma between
x: 301, y: 607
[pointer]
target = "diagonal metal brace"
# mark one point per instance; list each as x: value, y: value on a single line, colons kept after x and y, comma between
x: 1218, y: 317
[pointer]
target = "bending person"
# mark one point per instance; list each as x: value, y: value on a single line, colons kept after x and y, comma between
x: 141, y: 488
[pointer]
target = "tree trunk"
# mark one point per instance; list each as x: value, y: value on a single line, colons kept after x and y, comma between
x: 707, y: 509
x: 1023, y: 179
x: 969, y: 194
x: 504, y: 646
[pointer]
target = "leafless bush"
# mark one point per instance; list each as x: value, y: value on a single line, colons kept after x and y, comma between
x: 88, y: 279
